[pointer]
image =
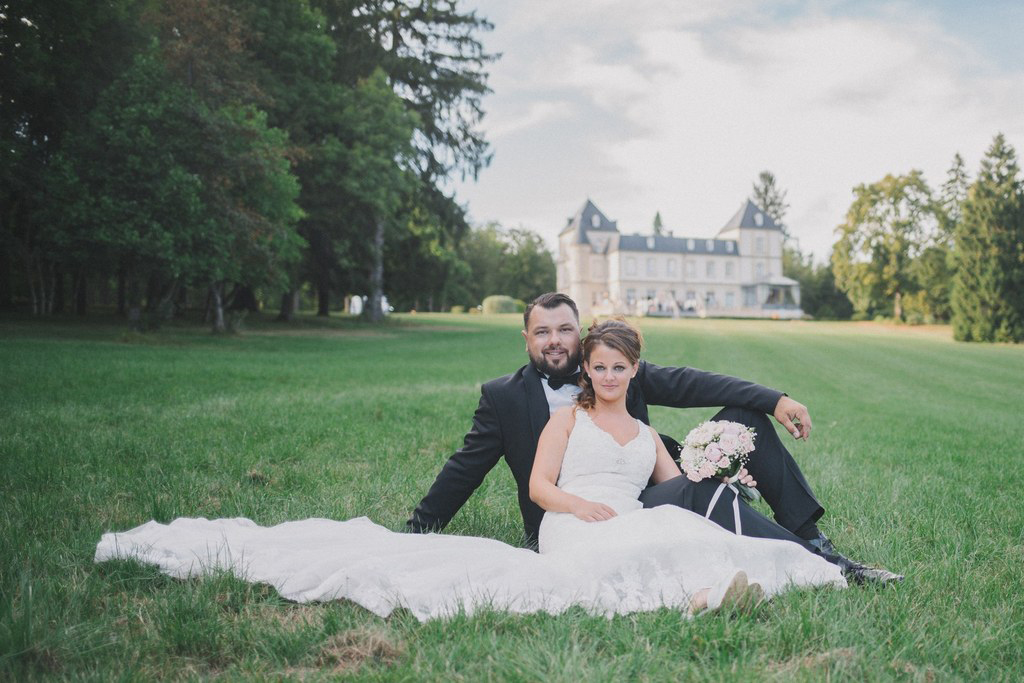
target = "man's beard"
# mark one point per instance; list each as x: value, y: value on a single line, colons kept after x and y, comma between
x: 572, y: 364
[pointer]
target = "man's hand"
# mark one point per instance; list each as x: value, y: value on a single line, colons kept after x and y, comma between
x: 590, y: 511
x: 794, y: 417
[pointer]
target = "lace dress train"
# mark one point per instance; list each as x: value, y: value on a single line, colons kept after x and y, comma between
x: 641, y: 560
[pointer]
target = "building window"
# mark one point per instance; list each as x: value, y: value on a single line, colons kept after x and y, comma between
x: 630, y: 296
x: 630, y: 265
x: 651, y: 293
x: 759, y: 271
x: 710, y: 244
x: 595, y: 221
x: 650, y: 243
x: 690, y: 245
x: 672, y: 264
x: 730, y: 300
x: 729, y: 246
x: 729, y: 268
x: 759, y: 245
x: 749, y: 297
x: 759, y: 219
x: 710, y: 269
x: 651, y: 267
x: 709, y: 300
x: 691, y: 269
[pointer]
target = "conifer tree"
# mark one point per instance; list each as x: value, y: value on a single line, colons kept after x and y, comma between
x: 771, y: 199
x: 988, y: 286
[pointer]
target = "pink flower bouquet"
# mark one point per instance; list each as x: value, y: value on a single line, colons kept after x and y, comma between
x: 718, y: 449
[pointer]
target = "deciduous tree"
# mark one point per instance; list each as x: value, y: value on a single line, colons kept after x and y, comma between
x: 887, y: 226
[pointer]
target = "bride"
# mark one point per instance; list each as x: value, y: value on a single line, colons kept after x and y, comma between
x: 599, y: 548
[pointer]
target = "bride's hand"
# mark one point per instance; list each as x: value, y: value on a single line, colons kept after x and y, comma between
x: 745, y: 478
x: 589, y: 511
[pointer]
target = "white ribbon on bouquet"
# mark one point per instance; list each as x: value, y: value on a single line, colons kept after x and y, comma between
x: 728, y: 484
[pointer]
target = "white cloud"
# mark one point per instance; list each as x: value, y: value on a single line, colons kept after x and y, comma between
x: 643, y: 109
x: 537, y: 113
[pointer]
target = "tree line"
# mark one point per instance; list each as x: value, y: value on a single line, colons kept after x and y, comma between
x: 909, y: 253
x: 226, y: 154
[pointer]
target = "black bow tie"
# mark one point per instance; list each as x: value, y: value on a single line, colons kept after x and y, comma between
x: 557, y: 383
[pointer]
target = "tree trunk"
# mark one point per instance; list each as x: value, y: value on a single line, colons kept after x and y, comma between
x: 6, y: 268
x: 181, y: 301
x: 243, y: 298
x: 288, y: 306
x: 217, y: 297
x: 154, y: 289
x: 133, y: 301
x: 374, y: 312
x: 122, y: 302
x: 58, y: 291
x: 897, y: 307
x: 323, y: 298
x: 30, y: 272
x: 81, y: 294
x: 165, y: 307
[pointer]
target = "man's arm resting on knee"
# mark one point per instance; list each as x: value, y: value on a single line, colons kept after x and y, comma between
x: 692, y: 388
x: 462, y: 474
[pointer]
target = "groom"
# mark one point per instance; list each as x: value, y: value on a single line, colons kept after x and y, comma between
x: 514, y: 409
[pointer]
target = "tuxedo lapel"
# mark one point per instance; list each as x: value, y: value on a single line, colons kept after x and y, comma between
x: 536, y: 402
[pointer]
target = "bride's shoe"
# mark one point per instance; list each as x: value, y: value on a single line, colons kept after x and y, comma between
x: 738, y: 596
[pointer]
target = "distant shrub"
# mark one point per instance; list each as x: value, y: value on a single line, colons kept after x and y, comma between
x: 458, y: 309
x: 500, y: 303
x: 520, y: 306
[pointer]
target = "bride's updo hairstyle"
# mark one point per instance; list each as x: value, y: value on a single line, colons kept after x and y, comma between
x: 614, y: 333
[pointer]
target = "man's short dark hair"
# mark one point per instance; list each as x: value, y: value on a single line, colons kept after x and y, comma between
x: 549, y: 301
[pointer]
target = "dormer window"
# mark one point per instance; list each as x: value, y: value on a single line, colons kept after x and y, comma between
x: 650, y: 243
x: 729, y: 247
x: 595, y: 221
x: 759, y: 219
x: 690, y: 245
x: 710, y: 245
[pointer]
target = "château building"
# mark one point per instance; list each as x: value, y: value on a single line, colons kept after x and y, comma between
x: 738, y: 272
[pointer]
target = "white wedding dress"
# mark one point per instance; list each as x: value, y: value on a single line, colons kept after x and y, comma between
x: 640, y: 560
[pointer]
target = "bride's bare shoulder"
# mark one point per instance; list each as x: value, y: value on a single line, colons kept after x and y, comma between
x: 564, y: 417
x: 565, y: 413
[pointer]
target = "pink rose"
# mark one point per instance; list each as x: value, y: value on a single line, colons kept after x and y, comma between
x: 729, y: 443
x: 713, y: 452
x: 747, y: 441
x: 733, y: 428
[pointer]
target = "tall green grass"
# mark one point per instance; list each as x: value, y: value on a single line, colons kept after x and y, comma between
x: 916, y: 454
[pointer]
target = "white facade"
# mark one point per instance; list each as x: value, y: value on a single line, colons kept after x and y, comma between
x: 736, y: 273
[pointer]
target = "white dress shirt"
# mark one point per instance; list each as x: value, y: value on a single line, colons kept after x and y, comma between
x: 561, y: 397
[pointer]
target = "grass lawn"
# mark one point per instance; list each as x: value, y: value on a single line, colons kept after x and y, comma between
x: 916, y: 454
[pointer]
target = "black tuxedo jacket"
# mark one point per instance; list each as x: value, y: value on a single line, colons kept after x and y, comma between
x: 513, y: 411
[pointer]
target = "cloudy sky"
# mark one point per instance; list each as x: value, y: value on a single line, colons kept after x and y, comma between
x: 676, y: 106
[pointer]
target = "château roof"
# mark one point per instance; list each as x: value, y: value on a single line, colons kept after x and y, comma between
x: 588, y: 218
x: 751, y: 216
x: 666, y: 244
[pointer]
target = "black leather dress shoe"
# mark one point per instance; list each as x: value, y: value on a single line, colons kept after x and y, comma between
x: 855, y: 572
